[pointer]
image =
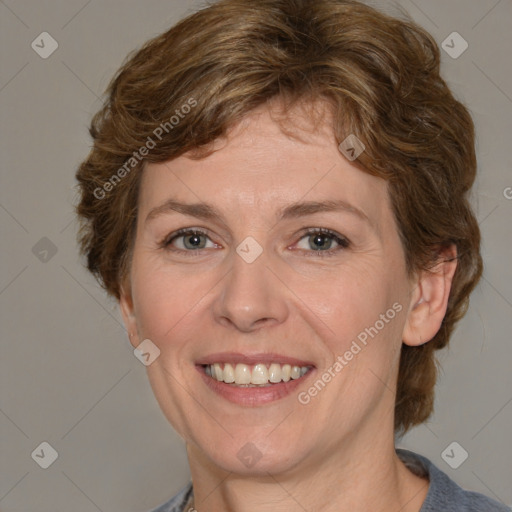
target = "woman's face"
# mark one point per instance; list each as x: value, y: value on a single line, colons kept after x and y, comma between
x: 254, y: 288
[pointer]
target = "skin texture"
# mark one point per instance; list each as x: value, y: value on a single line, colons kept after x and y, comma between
x: 337, y: 452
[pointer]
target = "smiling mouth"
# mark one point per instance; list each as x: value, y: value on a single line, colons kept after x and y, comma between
x: 258, y: 375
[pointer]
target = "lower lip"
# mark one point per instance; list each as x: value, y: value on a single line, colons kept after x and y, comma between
x: 252, y: 396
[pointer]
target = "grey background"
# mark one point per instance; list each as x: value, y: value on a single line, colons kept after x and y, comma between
x: 68, y: 373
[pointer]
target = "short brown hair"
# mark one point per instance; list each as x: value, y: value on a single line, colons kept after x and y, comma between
x: 380, y: 77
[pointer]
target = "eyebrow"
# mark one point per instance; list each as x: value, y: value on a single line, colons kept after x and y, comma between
x: 295, y: 210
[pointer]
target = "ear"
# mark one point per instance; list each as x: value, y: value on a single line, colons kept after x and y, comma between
x: 127, y: 310
x: 429, y: 298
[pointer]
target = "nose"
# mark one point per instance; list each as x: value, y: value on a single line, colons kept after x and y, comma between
x: 251, y: 295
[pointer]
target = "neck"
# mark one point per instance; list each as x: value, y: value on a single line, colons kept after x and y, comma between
x: 362, y: 473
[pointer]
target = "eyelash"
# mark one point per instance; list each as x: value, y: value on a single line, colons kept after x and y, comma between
x: 343, y: 242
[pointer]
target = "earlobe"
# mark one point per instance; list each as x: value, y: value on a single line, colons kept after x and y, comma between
x: 429, y: 299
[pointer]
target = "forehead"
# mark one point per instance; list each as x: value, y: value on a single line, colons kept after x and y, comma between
x: 259, y: 169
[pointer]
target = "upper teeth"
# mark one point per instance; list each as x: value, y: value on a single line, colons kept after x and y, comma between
x: 259, y: 374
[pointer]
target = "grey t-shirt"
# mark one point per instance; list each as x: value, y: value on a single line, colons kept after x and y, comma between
x: 444, y: 495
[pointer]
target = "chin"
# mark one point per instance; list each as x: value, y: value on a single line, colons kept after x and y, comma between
x: 255, y: 455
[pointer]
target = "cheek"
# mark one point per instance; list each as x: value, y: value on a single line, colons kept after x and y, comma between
x: 162, y: 299
x: 363, y: 307
x: 351, y: 298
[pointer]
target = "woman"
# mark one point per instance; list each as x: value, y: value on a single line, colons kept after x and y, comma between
x: 277, y: 196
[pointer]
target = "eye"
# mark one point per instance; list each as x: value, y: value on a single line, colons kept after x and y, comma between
x: 187, y: 241
x: 321, y: 240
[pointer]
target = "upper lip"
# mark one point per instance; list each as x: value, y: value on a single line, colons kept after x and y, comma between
x: 251, y: 359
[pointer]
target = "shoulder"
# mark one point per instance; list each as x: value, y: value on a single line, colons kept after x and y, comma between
x: 176, y: 503
x: 444, y: 494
